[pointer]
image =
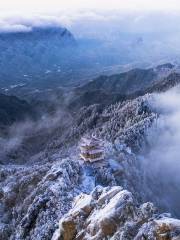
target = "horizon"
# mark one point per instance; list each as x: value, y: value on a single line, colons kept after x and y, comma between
x: 20, y: 6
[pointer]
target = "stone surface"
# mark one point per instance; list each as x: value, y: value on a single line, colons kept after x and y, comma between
x: 111, y: 213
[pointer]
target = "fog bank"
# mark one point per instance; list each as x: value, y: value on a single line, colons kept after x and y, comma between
x: 162, y: 159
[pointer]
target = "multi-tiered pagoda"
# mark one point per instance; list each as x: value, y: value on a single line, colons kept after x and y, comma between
x: 91, y: 149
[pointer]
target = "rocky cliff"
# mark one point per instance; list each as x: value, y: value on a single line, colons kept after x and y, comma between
x: 111, y: 213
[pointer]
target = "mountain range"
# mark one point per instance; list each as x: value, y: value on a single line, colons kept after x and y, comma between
x: 105, y: 90
x: 26, y: 55
x: 48, y: 192
x: 127, y: 85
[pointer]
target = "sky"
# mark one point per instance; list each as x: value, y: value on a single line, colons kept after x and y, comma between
x: 57, y: 5
x: 84, y: 17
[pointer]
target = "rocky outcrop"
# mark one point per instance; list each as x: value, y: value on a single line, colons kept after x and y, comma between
x: 111, y: 213
x: 33, y: 198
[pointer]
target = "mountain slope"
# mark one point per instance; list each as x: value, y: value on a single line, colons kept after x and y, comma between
x: 128, y: 85
x: 124, y: 83
x: 12, y: 109
x: 25, y: 55
x: 41, y: 191
x: 129, y: 82
x: 38, y: 182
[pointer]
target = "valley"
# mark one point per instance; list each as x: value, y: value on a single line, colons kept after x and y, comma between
x: 41, y: 170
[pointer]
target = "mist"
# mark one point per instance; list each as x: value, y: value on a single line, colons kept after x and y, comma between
x: 162, y: 159
x: 27, y: 138
x: 111, y: 37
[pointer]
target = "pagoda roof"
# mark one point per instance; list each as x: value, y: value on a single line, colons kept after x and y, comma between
x: 89, y: 159
x: 90, y: 141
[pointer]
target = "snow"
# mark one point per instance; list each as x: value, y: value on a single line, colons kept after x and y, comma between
x: 110, y: 193
x: 128, y: 150
x: 122, y: 147
x: 85, y: 201
x: 169, y: 221
x: 17, y: 85
x: 6, y: 189
x: 90, y: 141
x: 47, y: 71
x: 36, y: 91
x: 110, y: 208
x: 88, y: 183
x: 88, y: 180
x: 115, y: 165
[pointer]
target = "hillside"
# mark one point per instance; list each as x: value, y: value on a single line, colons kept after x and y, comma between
x: 33, y: 54
x: 128, y: 85
x: 124, y: 83
x: 129, y: 82
x: 44, y: 184
x: 12, y: 109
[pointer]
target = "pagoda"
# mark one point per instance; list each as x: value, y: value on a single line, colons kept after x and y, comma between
x: 91, y: 149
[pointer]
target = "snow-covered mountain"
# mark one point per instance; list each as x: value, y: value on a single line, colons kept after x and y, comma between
x: 41, y: 172
x: 127, y: 85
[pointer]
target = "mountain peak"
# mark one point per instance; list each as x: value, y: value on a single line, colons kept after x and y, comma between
x: 165, y: 66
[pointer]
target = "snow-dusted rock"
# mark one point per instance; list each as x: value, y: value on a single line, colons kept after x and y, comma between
x: 111, y: 213
x: 34, y: 198
x: 160, y: 229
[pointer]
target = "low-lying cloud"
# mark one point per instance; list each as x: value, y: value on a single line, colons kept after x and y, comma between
x: 31, y: 135
x: 136, y: 37
x: 121, y: 21
x: 26, y: 24
x: 162, y: 160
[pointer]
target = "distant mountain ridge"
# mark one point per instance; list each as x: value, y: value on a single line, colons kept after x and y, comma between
x: 128, y: 85
x: 25, y: 55
x: 128, y: 82
x: 37, y: 32
x: 104, y: 90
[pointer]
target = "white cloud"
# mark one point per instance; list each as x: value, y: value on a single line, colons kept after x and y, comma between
x: 94, y: 21
x: 128, y: 15
x: 57, y: 5
x: 162, y: 162
x: 25, y: 24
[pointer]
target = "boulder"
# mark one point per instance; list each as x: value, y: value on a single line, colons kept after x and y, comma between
x: 111, y: 213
